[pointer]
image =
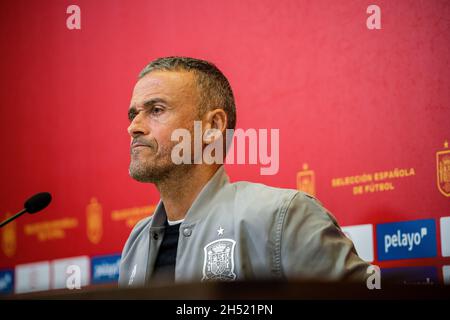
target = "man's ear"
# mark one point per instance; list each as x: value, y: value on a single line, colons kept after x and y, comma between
x: 214, y: 125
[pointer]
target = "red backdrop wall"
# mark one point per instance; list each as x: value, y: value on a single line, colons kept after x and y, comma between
x: 348, y: 101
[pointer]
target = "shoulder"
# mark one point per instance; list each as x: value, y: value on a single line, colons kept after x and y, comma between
x: 265, y: 193
x: 306, y: 206
x: 287, y: 210
x: 261, y: 193
x: 256, y: 200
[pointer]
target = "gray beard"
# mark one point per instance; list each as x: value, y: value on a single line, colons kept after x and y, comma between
x: 149, y: 173
x: 158, y: 170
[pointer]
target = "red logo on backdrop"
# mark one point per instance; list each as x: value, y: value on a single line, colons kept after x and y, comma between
x: 306, y: 180
x: 9, y: 238
x: 443, y: 170
x: 94, y: 221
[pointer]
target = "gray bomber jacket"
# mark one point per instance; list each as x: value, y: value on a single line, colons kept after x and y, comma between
x: 245, y: 231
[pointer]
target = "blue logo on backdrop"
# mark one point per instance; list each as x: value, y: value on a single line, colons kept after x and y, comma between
x: 411, y: 275
x: 105, y: 269
x: 406, y: 240
x: 6, y: 281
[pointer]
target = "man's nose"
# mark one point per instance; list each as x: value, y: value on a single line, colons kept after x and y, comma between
x: 138, y: 127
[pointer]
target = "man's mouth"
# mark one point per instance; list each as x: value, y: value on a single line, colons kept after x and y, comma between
x: 137, y: 145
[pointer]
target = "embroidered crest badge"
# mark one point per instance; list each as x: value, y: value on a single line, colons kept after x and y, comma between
x: 219, y: 260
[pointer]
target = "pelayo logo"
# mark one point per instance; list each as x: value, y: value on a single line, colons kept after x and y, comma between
x: 105, y: 269
x: 406, y: 240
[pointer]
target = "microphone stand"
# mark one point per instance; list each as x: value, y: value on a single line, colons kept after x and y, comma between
x: 13, y: 217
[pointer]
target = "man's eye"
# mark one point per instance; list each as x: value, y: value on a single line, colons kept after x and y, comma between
x: 157, y: 110
x: 131, y: 115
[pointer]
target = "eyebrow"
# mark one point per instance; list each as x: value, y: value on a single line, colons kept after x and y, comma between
x: 149, y: 103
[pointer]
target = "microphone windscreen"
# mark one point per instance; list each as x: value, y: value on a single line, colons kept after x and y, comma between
x: 37, y: 202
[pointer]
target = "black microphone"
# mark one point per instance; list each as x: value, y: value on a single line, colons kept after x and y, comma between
x: 34, y: 204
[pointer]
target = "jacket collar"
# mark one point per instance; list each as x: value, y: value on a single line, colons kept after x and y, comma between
x: 200, y: 204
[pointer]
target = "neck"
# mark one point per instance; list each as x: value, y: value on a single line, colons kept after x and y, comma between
x: 180, y: 190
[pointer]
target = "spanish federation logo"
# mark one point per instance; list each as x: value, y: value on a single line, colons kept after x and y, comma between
x: 94, y: 221
x: 443, y: 170
x: 306, y: 180
x: 219, y: 260
x: 9, y: 238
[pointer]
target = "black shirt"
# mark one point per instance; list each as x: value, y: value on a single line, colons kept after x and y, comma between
x: 164, y: 270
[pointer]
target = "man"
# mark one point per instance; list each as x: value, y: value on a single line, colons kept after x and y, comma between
x: 205, y: 228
